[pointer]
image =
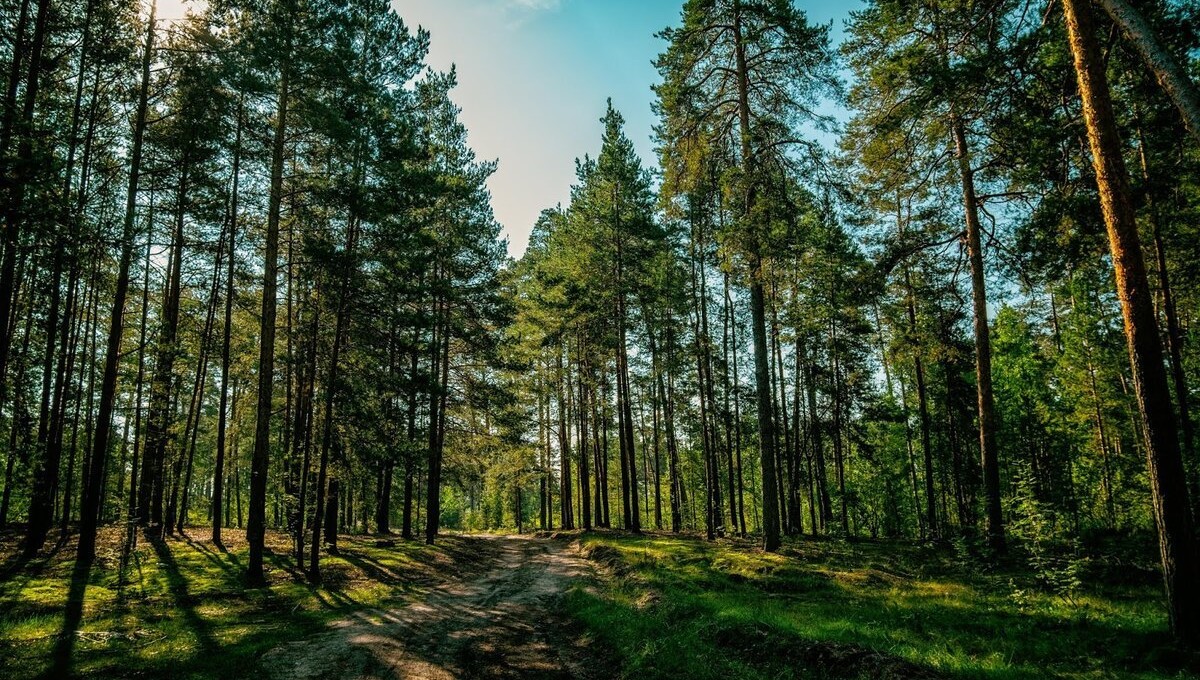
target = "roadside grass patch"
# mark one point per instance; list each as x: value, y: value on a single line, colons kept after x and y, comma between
x: 681, y: 607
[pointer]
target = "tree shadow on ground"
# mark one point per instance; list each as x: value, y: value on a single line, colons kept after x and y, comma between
x: 221, y: 558
x: 64, y: 647
x: 177, y: 584
x: 374, y: 569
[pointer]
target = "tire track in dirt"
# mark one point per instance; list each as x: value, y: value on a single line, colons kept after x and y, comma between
x: 503, y: 622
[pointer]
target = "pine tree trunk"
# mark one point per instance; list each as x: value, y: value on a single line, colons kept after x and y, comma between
x: 439, y: 358
x: 260, y: 458
x: 46, y: 478
x: 86, y: 382
x: 707, y: 385
x: 1174, y: 333
x: 406, y: 522
x: 332, y: 378
x: 21, y: 173
x: 158, y: 425
x: 597, y: 456
x: 585, y: 492
x: 383, y: 500
x: 628, y: 421
x: 1177, y: 542
x: 667, y: 394
x: 758, y: 315
x: 922, y: 407
x: 304, y: 429
x: 226, y: 335
x: 606, y: 420
x: 330, y: 522
x: 660, y: 408
x: 983, y: 346
x: 566, y: 514
x: 737, y: 421
x: 197, y: 404
x: 795, y: 453
x: 93, y: 487
x: 1171, y: 75
x: 139, y: 440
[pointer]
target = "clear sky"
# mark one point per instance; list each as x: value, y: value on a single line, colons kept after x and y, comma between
x: 534, y: 76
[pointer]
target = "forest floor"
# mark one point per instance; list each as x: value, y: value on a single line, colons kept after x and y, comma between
x: 502, y: 621
x: 602, y: 604
x: 473, y: 606
x: 673, y: 607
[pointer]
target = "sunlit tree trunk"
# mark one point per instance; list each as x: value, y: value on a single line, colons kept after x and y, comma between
x: 139, y: 440
x: 783, y: 446
x: 439, y: 373
x: 331, y: 386
x: 910, y: 303
x: 410, y: 464
x: 737, y: 417
x: 1177, y: 542
x: 195, y: 410
x: 1171, y: 75
x: 818, y: 446
x: 727, y: 411
x: 158, y: 424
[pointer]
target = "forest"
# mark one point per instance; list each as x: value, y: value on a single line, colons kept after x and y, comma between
x: 880, y: 367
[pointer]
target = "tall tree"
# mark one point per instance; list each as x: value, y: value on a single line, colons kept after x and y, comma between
x: 743, y: 74
x: 1176, y: 539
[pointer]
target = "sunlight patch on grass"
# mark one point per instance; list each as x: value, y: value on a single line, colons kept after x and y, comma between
x: 181, y: 610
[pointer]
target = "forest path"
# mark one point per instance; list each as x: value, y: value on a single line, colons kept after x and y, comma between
x: 503, y: 620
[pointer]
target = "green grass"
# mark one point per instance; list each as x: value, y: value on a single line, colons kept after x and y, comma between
x: 182, y: 610
x: 664, y: 607
x: 673, y: 607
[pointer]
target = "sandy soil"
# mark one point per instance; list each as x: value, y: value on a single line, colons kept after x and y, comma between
x: 501, y: 620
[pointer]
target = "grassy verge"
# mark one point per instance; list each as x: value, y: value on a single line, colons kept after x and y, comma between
x: 675, y: 608
x: 180, y: 608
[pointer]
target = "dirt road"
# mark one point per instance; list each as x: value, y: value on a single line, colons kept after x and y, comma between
x: 502, y: 622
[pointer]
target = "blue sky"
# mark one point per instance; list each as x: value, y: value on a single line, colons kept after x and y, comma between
x: 534, y: 76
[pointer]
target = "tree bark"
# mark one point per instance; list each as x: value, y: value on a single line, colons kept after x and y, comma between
x: 566, y: 508
x: 989, y: 454
x: 226, y: 336
x: 260, y: 458
x: 1174, y: 332
x: 758, y: 316
x: 439, y: 372
x: 13, y: 213
x: 90, y: 511
x: 1167, y: 70
x: 1177, y: 542
x: 332, y: 378
x: 195, y: 409
x: 931, y: 523
x: 585, y: 492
